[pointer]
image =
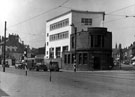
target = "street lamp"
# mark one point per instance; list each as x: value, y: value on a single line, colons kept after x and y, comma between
x: 75, y: 36
x: 4, y: 63
x: 50, y: 64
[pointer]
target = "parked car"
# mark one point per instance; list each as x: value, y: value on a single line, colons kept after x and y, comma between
x: 41, y: 66
x: 17, y: 65
x: 54, y: 66
x: 126, y: 62
x: 21, y: 66
x: 6, y: 65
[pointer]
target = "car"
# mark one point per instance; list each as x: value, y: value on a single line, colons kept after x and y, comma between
x: 6, y: 64
x: 41, y: 66
x: 17, y: 65
x: 54, y: 66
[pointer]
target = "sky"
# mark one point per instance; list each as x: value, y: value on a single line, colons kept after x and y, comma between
x: 27, y: 18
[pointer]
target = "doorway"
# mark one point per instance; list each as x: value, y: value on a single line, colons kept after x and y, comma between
x: 96, y: 63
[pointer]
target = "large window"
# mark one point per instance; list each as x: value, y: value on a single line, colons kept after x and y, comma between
x: 97, y: 41
x: 85, y: 58
x: 59, y: 36
x: 73, y: 58
x: 58, y: 52
x: 67, y: 59
x: 86, y: 21
x: 59, y: 24
x: 51, y: 52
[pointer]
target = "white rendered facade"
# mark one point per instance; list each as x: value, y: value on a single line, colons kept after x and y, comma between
x: 59, y: 29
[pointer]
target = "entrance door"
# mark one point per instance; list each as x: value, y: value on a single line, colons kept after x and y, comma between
x: 97, y: 63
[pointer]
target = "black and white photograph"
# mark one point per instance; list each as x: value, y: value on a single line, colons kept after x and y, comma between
x: 67, y: 48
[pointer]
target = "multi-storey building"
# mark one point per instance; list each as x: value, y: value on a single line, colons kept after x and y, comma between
x: 59, y: 29
x: 14, y: 47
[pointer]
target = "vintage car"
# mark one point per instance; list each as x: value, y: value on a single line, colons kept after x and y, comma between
x: 40, y: 66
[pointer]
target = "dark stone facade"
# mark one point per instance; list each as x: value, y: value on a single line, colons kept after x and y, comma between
x: 93, y: 49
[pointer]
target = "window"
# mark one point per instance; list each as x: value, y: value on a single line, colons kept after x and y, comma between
x: 73, y: 42
x: 98, y: 41
x: 59, y: 36
x: 91, y: 40
x: 86, y: 21
x: 51, y: 52
x: 102, y: 41
x: 65, y: 58
x: 73, y: 58
x: 68, y: 58
x: 59, y: 24
x: 85, y: 57
x: 65, y: 48
x: 58, y: 52
x: 80, y: 58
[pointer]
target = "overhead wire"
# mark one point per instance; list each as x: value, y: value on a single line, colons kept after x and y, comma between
x: 114, y: 20
x: 45, y: 12
x: 40, y: 14
x: 121, y: 9
x: 34, y: 17
x: 61, y: 5
x: 111, y: 14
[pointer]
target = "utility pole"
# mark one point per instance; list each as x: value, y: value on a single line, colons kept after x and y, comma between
x: 75, y: 36
x: 75, y: 48
x: 4, y: 63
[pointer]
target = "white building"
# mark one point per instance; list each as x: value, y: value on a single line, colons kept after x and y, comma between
x: 59, y: 29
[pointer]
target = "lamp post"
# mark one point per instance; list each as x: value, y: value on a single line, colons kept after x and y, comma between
x: 25, y: 60
x: 75, y: 36
x: 4, y: 63
x: 50, y: 64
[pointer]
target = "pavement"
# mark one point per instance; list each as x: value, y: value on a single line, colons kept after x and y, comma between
x: 13, y: 85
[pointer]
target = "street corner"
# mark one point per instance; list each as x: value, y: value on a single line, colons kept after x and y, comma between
x: 3, y: 93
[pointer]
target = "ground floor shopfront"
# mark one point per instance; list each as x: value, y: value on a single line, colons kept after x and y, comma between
x: 88, y: 60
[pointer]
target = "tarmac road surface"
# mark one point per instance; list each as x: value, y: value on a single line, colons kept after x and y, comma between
x: 14, y: 83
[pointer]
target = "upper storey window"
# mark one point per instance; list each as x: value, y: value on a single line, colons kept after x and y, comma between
x: 59, y: 24
x: 86, y: 21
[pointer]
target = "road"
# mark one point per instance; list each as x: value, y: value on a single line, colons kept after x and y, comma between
x: 68, y: 84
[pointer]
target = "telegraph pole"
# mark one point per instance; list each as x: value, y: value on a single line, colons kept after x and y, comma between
x: 4, y: 63
x: 75, y: 64
x: 75, y: 40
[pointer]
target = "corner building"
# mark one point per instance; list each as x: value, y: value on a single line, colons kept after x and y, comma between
x: 59, y: 29
x: 93, y: 50
x: 59, y: 32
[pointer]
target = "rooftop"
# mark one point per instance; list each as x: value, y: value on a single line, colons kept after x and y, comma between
x: 77, y: 11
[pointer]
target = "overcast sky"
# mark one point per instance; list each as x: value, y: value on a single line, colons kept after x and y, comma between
x: 27, y: 18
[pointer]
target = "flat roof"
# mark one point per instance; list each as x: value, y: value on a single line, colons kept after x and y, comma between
x: 77, y: 11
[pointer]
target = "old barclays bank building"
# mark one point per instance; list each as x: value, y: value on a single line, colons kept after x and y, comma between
x: 79, y: 37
